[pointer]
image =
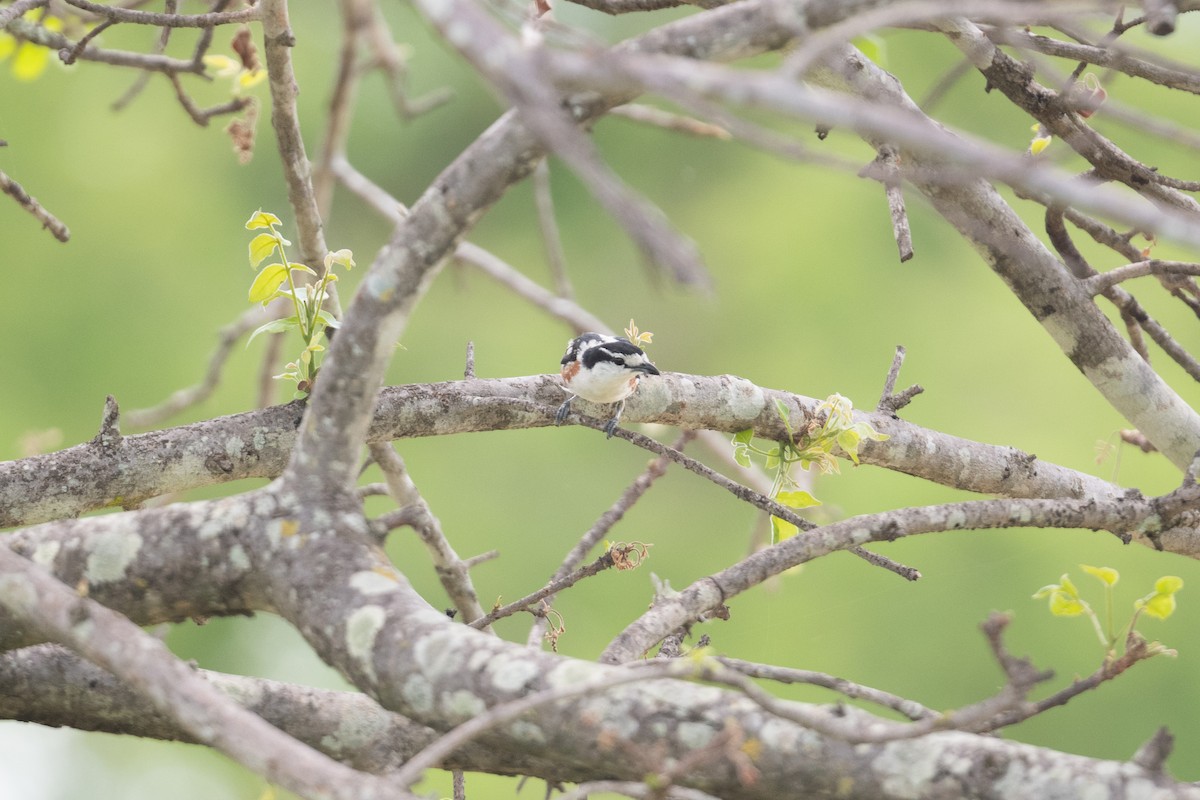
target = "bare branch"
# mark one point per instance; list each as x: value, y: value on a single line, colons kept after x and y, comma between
x: 17, y: 9
x: 654, y: 470
x: 431, y: 756
x: 668, y: 613
x: 1149, y: 67
x: 1098, y: 284
x: 551, y: 239
x: 121, y: 647
x: 49, y: 685
x: 451, y: 569
x: 258, y: 443
x: 23, y: 198
x: 119, y: 14
x: 854, y: 691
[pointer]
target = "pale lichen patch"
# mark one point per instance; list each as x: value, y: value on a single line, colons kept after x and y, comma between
x: 210, y: 529
x: 694, y: 735
x: 436, y: 654
x: 45, y: 553
x: 745, y: 399
x: 17, y: 593
x: 234, y: 447
x: 356, y: 732
x: 418, y: 694
x: 904, y: 770
x: 570, y: 673
x: 370, y: 582
x: 513, y: 674
x: 112, y: 553
x: 462, y: 705
x: 361, y: 629
x: 527, y: 732
x: 238, y: 557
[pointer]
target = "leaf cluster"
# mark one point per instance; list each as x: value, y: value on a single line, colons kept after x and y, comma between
x: 1066, y: 601
x: 307, y: 295
x: 831, y: 431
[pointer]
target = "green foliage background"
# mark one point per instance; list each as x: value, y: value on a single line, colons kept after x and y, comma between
x: 808, y: 297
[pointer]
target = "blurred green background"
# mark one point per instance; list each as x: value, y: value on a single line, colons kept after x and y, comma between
x: 808, y: 297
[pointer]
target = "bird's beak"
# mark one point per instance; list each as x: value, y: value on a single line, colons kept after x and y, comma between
x: 648, y: 368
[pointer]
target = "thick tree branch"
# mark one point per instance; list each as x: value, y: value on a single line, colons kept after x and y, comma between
x: 49, y: 685
x: 111, y: 641
x: 1122, y: 516
x: 258, y: 443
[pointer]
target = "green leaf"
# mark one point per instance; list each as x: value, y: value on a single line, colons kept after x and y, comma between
x: 268, y: 280
x: 302, y: 267
x: 743, y: 437
x: 848, y: 440
x: 262, y: 219
x: 797, y: 498
x: 784, y: 412
x: 1064, y: 605
x: 261, y: 246
x: 742, y: 456
x: 343, y: 257
x: 1168, y: 584
x: 275, y: 326
x: 1161, y: 604
x: 1107, y: 575
x: 781, y: 529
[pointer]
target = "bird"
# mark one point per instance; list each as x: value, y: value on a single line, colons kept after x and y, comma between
x: 602, y: 369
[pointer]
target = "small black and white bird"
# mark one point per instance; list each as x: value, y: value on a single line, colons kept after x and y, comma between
x: 602, y: 369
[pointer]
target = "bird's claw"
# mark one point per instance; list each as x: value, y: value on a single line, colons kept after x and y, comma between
x: 561, y: 415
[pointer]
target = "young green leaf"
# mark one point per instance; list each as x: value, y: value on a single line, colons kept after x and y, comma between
x: 797, y: 498
x: 782, y: 529
x: 784, y: 412
x: 261, y: 246
x: 262, y: 219
x: 1161, y: 604
x: 1107, y: 575
x: 268, y: 280
x: 343, y: 257
x: 275, y: 326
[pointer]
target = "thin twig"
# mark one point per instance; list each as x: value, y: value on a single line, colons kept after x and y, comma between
x: 143, y: 78
x: 451, y: 570
x: 756, y: 499
x: 17, y: 9
x: 27, y: 202
x: 601, y: 564
x: 551, y: 238
x: 884, y: 169
x: 1099, y: 284
x: 392, y: 60
x: 68, y: 57
x: 469, y: 368
x: 891, y: 401
x: 227, y: 337
x: 677, y: 123
x: 356, y: 15
x: 209, y: 20
x: 654, y: 470
x: 855, y: 691
x: 201, y: 116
